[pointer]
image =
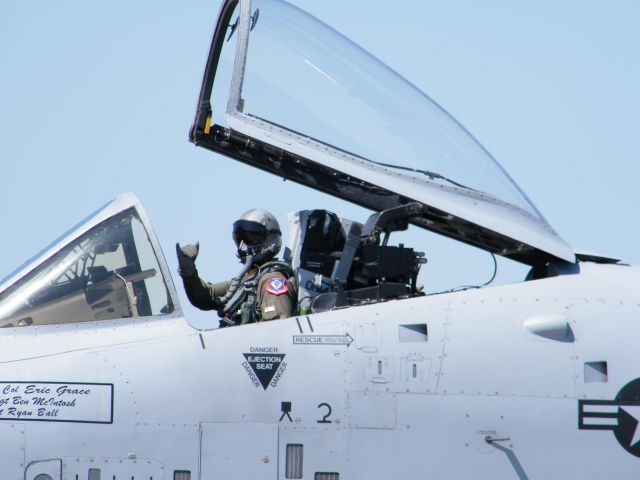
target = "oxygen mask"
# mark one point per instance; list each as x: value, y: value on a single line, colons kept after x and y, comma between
x: 255, y: 241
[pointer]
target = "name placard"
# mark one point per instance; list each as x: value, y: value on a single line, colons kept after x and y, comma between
x: 56, y: 402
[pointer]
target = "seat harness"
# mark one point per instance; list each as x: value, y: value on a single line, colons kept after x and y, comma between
x: 241, y: 307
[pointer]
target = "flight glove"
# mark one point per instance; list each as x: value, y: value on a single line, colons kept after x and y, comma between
x: 187, y: 259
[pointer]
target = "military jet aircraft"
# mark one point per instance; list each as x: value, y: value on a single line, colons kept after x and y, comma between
x: 102, y: 378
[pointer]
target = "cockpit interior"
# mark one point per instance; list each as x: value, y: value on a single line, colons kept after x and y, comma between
x: 111, y: 272
x: 340, y: 262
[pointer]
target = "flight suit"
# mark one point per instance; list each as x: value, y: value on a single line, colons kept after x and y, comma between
x: 275, y: 295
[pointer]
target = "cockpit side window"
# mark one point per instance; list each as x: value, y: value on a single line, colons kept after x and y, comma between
x: 110, y: 272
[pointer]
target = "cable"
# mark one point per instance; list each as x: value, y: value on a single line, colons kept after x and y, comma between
x: 467, y: 287
x: 493, y: 277
x: 495, y: 271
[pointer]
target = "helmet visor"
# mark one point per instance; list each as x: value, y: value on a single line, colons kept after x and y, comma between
x: 249, y: 232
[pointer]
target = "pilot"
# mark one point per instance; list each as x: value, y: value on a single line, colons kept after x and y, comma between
x: 264, y: 289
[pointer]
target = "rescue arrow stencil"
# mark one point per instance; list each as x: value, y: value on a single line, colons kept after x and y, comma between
x: 323, y: 339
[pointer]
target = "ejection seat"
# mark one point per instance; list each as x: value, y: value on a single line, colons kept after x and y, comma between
x: 319, y: 248
x: 340, y: 262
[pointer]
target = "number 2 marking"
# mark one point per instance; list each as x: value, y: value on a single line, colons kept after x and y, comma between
x: 325, y: 419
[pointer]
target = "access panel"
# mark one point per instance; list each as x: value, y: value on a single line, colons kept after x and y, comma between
x: 44, y: 470
x: 235, y: 451
x: 11, y: 451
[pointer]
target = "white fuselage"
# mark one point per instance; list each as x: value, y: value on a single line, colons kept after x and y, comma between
x: 458, y: 385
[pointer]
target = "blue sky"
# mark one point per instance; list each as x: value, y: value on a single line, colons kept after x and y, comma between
x: 98, y: 98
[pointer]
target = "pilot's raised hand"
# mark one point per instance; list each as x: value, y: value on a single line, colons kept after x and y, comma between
x: 187, y: 259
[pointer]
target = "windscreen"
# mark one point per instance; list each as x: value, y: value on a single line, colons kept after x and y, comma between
x: 110, y: 272
x: 305, y: 77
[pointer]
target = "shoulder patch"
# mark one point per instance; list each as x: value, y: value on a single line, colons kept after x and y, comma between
x: 277, y: 285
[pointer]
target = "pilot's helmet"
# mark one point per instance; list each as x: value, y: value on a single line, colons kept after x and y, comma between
x: 258, y: 234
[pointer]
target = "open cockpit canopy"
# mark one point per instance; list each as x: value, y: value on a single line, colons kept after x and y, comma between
x: 287, y: 94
